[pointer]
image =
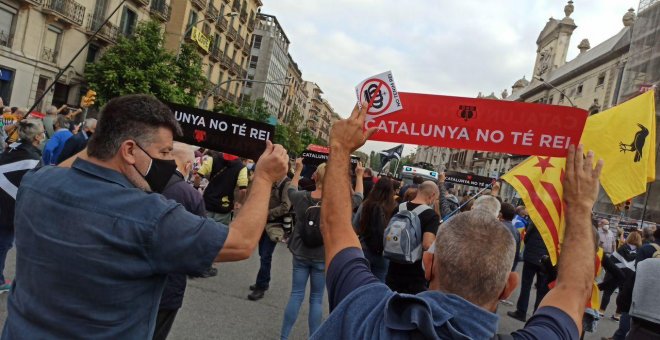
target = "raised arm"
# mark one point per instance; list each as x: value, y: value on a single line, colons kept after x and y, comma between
x: 359, y: 178
x: 297, y: 173
x: 246, y: 229
x: 346, y: 136
x: 575, y: 274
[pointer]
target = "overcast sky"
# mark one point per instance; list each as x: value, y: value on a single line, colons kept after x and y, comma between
x: 459, y: 47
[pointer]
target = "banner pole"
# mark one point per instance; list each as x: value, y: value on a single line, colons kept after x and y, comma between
x: 468, y: 201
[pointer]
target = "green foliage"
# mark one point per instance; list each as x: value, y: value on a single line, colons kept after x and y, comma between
x: 255, y: 110
x: 141, y: 64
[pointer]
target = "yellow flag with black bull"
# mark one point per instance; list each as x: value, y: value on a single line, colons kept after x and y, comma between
x: 625, y: 137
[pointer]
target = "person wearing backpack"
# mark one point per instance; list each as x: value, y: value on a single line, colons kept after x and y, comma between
x: 278, y: 207
x: 306, y: 245
x: 416, y: 222
x: 370, y: 222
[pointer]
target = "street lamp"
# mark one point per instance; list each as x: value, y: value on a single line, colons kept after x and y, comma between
x: 560, y: 91
x: 204, y: 103
x: 190, y: 27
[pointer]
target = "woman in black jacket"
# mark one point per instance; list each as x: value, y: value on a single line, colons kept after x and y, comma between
x: 370, y: 222
x: 617, y: 267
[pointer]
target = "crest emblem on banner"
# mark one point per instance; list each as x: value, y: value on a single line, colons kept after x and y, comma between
x: 200, y: 135
x: 467, y: 112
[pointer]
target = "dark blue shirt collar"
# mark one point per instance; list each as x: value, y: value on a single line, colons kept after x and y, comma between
x: 101, y: 172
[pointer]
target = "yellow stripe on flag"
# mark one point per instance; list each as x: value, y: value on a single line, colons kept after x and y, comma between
x: 624, y: 137
x: 538, y: 181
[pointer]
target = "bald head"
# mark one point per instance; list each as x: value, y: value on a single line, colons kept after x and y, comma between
x: 473, y: 257
x: 427, y: 192
x: 184, y: 156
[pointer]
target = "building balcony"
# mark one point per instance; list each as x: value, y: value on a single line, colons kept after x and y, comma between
x: 108, y: 33
x: 160, y: 11
x: 314, y: 109
x: 141, y: 2
x: 68, y: 11
x: 246, y: 49
x: 6, y: 39
x: 212, y: 12
x: 33, y: 2
x: 231, y: 34
x: 244, y: 16
x: 49, y: 55
x: 250, y: 25
x: 222, y: 24
x: 326, y: 119
x: 317, y: 98
x: 232, y: 69
x: 225, y: 62
x: 238, y: 43
x: 216, y: 55
x: 236, y: 6
x: 200, y: 4
x: 244, y: 74
x: 236, y: 68
x: 248, y: 45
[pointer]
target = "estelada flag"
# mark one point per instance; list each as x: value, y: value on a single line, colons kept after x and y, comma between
x: 594, y: 301
x: 624, y: 137
x: 538, y: 181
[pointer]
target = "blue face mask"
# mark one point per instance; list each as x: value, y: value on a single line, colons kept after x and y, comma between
x: 159, y: 173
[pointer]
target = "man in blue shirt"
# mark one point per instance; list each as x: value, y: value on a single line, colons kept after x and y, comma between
x: 471, y: 270
x: 55, y: 145
x: 96, y: 241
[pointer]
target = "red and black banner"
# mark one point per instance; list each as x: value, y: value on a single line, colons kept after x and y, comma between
x: 482, y: 124
x: 234, y: 135
x: 468, y: 179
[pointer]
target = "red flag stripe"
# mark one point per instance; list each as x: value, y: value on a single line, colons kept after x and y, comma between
x: 541, y: 208
x: 556, y: 200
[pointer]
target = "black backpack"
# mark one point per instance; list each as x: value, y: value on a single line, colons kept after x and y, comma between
x: 310, y: 232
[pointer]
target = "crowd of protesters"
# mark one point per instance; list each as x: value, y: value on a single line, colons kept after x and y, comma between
x: 117, y: 203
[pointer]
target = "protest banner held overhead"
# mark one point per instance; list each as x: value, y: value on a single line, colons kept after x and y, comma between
x: 237, y: 136
x: 481, y: 124
x: 380, y: 91
x: 468, y: 179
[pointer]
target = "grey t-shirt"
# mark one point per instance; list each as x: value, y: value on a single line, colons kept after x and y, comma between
x: 645, y: 299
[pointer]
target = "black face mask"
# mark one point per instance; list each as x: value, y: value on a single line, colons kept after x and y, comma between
x: 159, y: 173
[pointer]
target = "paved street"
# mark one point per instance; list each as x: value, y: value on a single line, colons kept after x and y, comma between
x: 217, y: 308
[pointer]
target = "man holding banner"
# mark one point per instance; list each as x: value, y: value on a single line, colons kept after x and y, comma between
x: 100, y: 236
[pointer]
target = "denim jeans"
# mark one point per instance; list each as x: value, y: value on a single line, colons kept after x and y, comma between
x: 266, y: 249
x: 303, y: 269
x: 6, y: 242
x: 529, y: 271
x: 378, y: 264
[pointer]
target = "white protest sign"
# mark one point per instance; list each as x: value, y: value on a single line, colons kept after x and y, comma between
x: 381, y: 91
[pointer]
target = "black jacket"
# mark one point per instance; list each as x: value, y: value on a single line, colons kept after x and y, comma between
x: 534, y: 246
x: 15, y: 162
x: 178, y: 190
x: 72, y: 146
x: 219, y: 194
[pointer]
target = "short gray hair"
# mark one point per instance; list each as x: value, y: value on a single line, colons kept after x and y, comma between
x: 488, y: 204
x: 51, y: 110
x: 28, y: 129
x: 474, y: 253
x: 89, y: 122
